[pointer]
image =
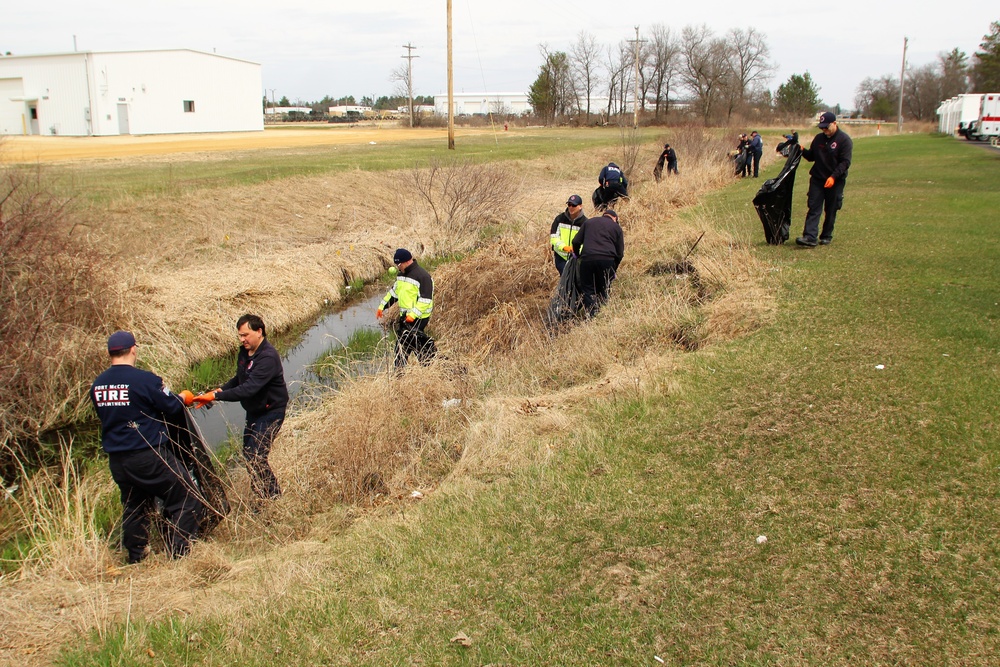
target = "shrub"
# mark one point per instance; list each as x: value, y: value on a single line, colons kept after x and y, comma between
x: 54, y: 304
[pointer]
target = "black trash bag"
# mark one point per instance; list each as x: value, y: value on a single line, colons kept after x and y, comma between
x: 774, y: 199
x: 568, y: 300
x: 740, y: 162
x: 605, y: 198
x: 188, y: 444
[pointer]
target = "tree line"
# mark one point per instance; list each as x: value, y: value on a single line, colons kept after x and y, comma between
x: 719, y: 77
x: 925, y: 87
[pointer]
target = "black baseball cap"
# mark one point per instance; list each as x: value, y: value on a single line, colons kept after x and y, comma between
x: 120, y: 340
x: 574, y: 200
x: 825, y: 119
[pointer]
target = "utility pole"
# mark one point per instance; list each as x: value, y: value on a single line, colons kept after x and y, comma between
x: 409, y: 75
x: 451, y: 89
x: 635, y: 110
x: 902, y: 72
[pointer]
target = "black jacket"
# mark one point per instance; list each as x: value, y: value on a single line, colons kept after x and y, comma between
x: 600, y: 238
x: 259, y: 383
x: 131, y: 404
x: 832, y: 155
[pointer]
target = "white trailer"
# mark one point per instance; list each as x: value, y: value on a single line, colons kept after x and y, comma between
x: 956, y: 113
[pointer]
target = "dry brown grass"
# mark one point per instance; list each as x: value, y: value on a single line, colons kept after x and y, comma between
x: 282, y: 248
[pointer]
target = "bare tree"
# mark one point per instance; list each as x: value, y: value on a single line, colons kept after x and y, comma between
x: 621, y: 60
x: 664, y: 51
x: 585, y: 56
x: 747, y: 58
x: 704, y: 67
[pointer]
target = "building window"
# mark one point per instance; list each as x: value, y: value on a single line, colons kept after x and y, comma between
x: 188, y: 106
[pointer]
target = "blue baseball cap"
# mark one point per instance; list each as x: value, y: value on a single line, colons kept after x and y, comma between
x: 120, y: 340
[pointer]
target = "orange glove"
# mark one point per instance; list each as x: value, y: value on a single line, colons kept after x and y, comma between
x: 204, y: 399
x: 187, y: 397
x: 410, y: 319
x: 829, y: 183
x: 567, y: 248
x: 378, y: 314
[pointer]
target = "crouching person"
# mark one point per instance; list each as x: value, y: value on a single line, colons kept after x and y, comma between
x: 134, y: 407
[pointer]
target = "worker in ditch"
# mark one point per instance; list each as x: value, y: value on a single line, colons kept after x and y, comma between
x: 259, y: 386
x: 564, y: 229
x: 414, y: 290
x: 134, y: 408
x: 600, y: 245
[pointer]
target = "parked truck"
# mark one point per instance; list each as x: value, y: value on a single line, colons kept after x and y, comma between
x: 987, y: 126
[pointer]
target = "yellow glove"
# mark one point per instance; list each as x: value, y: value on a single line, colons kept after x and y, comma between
x: 829, y: 183
x: 410, y: 319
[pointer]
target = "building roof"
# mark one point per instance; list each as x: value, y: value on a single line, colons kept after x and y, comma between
x: 84, y: 53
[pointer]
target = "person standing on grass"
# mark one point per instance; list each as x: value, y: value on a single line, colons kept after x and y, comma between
x: 831, y: 151
x: 756, y: 151
x: 600, y: 244
x: 669, y: 158
x: 414, y: 290
x: 564, y: 229
x: 259, y: 386
x: 134, y: 408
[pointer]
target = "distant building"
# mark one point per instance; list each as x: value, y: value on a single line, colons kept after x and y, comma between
x: 278, y: 111
x: 350, y: 109
x: 96, y: 93
x: 500, y: 104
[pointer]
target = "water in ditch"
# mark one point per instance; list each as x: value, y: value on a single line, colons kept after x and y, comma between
x: 331, y: 331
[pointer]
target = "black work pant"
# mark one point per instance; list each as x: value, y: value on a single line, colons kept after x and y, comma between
x: 595, y: 282
x: 822, y: 202
x: 756, y: 163
x: 142, y: 476
x: 411, y: 339
x: 258, y: 436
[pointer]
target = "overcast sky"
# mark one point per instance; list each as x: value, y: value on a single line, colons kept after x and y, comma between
x: 309, y: 48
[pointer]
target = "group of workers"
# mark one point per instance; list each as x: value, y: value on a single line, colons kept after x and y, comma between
x: 135, y: 407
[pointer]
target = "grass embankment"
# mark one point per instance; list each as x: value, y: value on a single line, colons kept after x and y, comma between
x: 632, y: 536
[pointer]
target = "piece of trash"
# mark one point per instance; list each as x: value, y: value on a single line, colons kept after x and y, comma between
x: 761, y: 539
x: 451, y: 403
x: 945, y: 355
x: 416, y: 495
x: 461, y: 639
x: 880, y: 367
x: 659, y: 659
x: 372, y: 143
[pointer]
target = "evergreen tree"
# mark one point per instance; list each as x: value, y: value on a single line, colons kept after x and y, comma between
x: 799, y: 96
x: 986, y: 69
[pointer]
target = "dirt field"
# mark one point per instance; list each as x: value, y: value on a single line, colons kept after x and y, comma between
x: 17, y: 149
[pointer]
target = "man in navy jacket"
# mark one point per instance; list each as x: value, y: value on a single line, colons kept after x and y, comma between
x: 134, y: 407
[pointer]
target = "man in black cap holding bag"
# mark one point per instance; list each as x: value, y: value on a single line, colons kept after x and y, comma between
x: 831, y: 152
x: 414, y: 290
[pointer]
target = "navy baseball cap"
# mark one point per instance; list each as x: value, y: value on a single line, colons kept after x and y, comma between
x: 120, y: 340
x: 402, y: 255
x: 575, y: 200
x: 825, y: 119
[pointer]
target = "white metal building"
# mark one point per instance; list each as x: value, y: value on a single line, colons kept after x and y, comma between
x: 467, y: 104
x: 129, y: 92
x: 958, y: 109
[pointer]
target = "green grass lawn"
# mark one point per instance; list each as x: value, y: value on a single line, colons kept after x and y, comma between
x: 877, y: 489
x: 103, y: 181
